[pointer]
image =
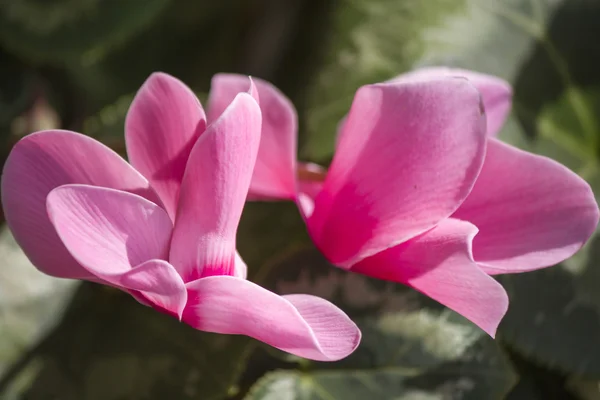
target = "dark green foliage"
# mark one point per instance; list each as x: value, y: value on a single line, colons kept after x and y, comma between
x: 66, y: 31
x: 411, y: 348
x: 109, y: 347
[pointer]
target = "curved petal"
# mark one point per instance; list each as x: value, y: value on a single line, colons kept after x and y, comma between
x: 408, y: 157
x: 162, y: 125
x: 531, y: 211
x: 214, y: 190
x: 275, y: 171
x: 304, y: 325
x: 496, y: 93
x: 440, y: 264
x: 119, y: 237
x: 158, y: 283
x: 108, y: 231
x: 43, y: 161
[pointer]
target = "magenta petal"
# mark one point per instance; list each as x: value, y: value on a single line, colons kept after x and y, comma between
x: 108, y: 231
x: 118, y: 236
x: 43, y: 161
x: 440, y: 264
x: 214, y: 190
x: 531, y: 211
x: 304, y: 325
x: 163, y: 123
x: 496, y: 93
x: 409, y: 155
x: 275, y: 171
x: 158, y: 283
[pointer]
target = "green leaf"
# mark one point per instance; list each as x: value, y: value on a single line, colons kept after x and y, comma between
x: 412, y: 347
x: 71, y: 30
x: 524, y: 41
x: 547, y: 50
x: 554, y: 315
x: 109, y: 347
x: 30, y: 302
x: 371, y: 41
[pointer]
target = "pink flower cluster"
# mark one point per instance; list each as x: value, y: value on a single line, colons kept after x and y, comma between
x: 419, y: 192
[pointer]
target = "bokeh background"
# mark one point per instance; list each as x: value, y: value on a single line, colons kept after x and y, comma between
x: 76, y: 64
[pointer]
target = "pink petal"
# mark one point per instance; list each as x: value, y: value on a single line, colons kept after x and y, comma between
x: 120, y: 238
x: 531, y: 211
x: 214, y: 189
x: 440, y: 265
x: 43, y: 161
x: 158, y: 283
x: 275, y: 171
x: 304, y: 325
x: 408, y: 157
x: 496, y: 93
x: 163, y: 123
x: 108, y: 231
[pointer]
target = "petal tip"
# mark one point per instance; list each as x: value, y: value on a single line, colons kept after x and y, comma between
x: 334, y: 335
x: 227, y: 79
x: 159, y: 75
x: 253, y: 91
x: 353, y: 342
x: 501, y: 301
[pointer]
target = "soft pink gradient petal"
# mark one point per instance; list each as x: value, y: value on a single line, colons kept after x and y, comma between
x: 162, y: 125
x: 108, y: 231
x: 440, y: 264
x: 120, y: 238
x: 43, y: 161
x: 531, y: 211
x: 275, y: 171
x: 158, y: 283
x: 496, y: 93
x: 304, y: 325
x: 408, y: 157
x: 214, y: 190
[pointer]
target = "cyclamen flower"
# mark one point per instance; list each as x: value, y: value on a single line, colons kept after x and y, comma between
x: 163, y: 228
x: 420, y: 192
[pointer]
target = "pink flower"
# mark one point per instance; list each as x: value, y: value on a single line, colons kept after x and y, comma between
x: 419, y: 193
x: 164, y: 227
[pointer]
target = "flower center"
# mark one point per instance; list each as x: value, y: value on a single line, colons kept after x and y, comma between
x: 310, y: 173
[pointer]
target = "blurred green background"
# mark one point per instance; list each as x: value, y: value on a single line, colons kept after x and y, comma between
x: 75, y: 64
